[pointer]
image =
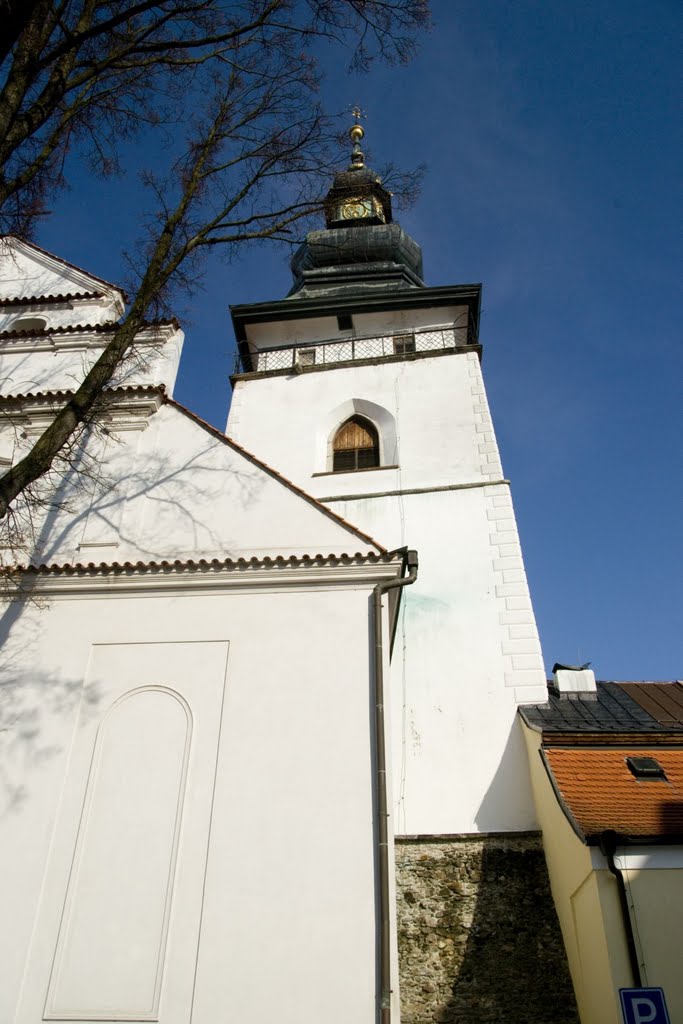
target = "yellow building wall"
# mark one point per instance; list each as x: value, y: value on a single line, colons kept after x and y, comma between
x: 587, y: 904
x: 656, y: 897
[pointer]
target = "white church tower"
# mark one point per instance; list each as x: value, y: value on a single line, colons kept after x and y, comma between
x: 364, y: 387
x: 220, y: 799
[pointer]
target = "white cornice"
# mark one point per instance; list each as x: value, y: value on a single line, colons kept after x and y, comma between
x: 662, y: 857
x: 648, y: 857
x: 124, y: 410
x: 210, y: 579
x: 79, y: 338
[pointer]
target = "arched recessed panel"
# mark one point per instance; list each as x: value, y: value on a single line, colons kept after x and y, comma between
x: 110, y: 951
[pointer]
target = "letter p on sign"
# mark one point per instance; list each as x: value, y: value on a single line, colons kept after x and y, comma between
x: 644, y: 1010
x: 643, y: 1006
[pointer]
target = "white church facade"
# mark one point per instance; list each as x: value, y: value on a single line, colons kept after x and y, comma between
x: 230, y: 692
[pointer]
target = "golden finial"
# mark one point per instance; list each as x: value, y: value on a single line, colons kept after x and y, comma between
x: 356, y: 133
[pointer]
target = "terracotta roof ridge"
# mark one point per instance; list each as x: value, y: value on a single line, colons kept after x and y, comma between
x: 29, y: 300
x: 274, y: 473
x: 65, y: 263
x: 89, y: 328
x: 196, y: 565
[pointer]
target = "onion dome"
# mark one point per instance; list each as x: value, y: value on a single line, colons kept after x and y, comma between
x: 361, y: 247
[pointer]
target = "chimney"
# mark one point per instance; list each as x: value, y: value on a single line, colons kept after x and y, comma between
x: 574, y: 681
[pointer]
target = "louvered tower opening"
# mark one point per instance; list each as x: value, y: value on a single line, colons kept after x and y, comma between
x: 356, y: 446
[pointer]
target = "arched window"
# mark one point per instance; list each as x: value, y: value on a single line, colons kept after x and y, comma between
x: 355, y: 446
x: 29, y: 323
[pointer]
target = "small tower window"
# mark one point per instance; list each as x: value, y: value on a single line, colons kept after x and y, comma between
x: 305, y: 357
x: 404, y: 343
x: 356, y: 446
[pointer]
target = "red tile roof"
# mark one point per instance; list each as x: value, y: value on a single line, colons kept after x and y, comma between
x: 599, y: 793
x: 33, y: 300
x: 85, y: 329
x: 196, y: 566
x: 64, y: 395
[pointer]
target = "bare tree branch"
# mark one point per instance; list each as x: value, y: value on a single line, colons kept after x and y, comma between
x: 251, y: 167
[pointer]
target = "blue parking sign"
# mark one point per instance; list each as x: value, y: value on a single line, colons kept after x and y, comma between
x: 644, y: 1006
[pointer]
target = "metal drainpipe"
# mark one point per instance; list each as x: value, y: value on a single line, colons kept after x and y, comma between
x: 608, y: 846
x: 381, y: 788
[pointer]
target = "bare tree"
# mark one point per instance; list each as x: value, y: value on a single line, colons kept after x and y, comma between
x: 239, y: 72
x: 95, y: 71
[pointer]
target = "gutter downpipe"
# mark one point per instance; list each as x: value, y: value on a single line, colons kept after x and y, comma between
x: 608, y: 846
x: 381, y: 787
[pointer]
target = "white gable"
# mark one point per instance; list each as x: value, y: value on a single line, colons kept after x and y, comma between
x: 52, y: 320
x: 177, y: 491
x: 59, y: 360
x: 26, y: 271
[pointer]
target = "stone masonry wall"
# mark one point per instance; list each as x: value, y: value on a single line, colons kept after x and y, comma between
x: 479, y: 940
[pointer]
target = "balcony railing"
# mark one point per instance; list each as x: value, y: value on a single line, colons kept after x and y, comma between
x: 326, y: 353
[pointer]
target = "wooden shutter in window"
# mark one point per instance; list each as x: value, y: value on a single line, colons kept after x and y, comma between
x: 356, y: 446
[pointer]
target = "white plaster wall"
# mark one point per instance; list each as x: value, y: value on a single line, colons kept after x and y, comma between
x: 301, y: 331
x: 466, y: 654
x: 45, y: 361
x: 471, y: 651
x: 28, y: 272
x: 165, y: 488
x: 59, y: 362
x: 59, y: 314
x: 273, y: 905
x: 430, y: 399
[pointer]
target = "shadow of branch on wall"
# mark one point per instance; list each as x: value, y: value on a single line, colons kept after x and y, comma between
x: 31, y: 706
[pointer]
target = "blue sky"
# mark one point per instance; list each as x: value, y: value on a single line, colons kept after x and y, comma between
x: 550, y: 132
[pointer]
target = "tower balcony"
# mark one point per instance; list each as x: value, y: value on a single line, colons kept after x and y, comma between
x: 335, y: 352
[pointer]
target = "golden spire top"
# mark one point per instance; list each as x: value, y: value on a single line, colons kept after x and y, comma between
x: 356, y: 133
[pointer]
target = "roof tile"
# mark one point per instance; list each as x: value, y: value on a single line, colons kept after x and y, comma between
x: 199, y: 565
x: 600, y: 792
x: 84, y: 329
x: 663, y: 701
x: 34, y: 300
x: 615, y: 708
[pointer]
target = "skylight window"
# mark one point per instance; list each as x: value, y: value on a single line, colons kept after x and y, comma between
x: 645, y: 768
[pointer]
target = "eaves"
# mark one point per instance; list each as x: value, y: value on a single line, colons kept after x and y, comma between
x: 412, y: 298
x: 204, y: 576
x: 84, y: 335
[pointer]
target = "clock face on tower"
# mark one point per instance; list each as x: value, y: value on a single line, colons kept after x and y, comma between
x: 360, y: 208
x: 356, y: 209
